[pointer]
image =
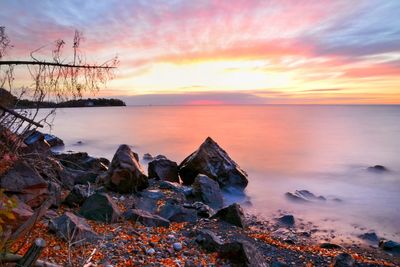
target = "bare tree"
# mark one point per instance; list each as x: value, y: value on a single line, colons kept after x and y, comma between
x: 53, y: 80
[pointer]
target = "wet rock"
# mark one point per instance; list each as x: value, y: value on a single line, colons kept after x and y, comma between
x: 36, y: 137
x: 279, y: 264
x: 328, y: 245
x: 147, y: 156
x: 287, y: 220
x: 145, y: 218
x: 344, y: 260
x: 77, y: 196
x: 244, y: 253
x: 209, y: 241
x: 210, y: 159
x: 389, y: 245
x: 377, y: 169
x: 207, y: 191
x: 175, y: 212
x: 36, y: 142
x: 100, y: 207
x: 73, y: 228
x: 370, y: 237
x: 162, y: 168
x: 202, y: 209
x: 26, y: 183
x: 125, y: 174
x: 304, y: 196
x: 232, y: 214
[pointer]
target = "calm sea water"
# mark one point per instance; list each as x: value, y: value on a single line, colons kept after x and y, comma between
x: 324, y: 149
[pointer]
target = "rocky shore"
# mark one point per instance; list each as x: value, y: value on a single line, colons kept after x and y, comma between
x: 114, y: 214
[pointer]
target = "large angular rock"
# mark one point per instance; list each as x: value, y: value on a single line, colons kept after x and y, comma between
x: 208, y: 191
x: 73, y: 228
x: 77, y: 196
x: 22, y: 213
x: 164, y: 169
x: 82, y: 161
x: 344, y: 260
x: 390, y: 245
x: 210, y: 159
x: 232, y: 214
x: 145, y: 218
x: 175, y: 212
x: 125, y: 174
x: 36, y: 137
x: 243, y: 253
x: 209, y: 241
x: 100, y: 207
x: 25, y: 182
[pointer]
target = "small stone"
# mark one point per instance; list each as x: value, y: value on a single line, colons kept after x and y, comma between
x: 150, y: 251
x: 177, y: 246
x: 344, y: 260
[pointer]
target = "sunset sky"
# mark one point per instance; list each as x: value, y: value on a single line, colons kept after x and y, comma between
x: 227, y: 51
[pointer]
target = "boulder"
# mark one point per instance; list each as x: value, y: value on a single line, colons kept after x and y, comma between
x: 82, y: 161
x: 209, y: 241
x: 328, y: 245
x: 207, y: 191
x: 147, y: 156
x: 175, y: 212
x: 100, y: 207
x: 125, y: 174
x: 390, y: 245
x: 210, y: 159
x: 162, y: 168
x: 243, y: 253
x: 77, y: 196
x: 287, y: 220
x: 25, y: 182
x: 232, y: 214
x: 344, y: 260
x: 36, y: 138
x: 73, y: 228
x: 22, y: 213
x: 145, y: 218
x: 202, y: 209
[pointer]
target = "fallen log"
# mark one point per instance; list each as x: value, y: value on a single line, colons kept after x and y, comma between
x: 33, y: 253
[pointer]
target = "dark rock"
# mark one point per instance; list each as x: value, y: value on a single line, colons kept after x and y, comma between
x: 209, y: 241
x: 370, y: 237
x: 328, y: 245
x: 304, y: 196
x: 344, y: 260
x: 77, y: 196
x: 210, y: 159
x: 202, y: 209
x: 125, y: 174
x: 145, y: 218
x: 207, y: 191
x: 36, y: 137
x: 232, y: 214
x: 147, y: 200
x: 287, y: 220
x: 377, y: 169
x: 25, y: 182
x: 175, y: 212
x: 389, y: 245
x: 162, y: 168
x: 147, y: 156
x: 73, y: 228
x: 279, y: 264
x: 243, y: 253
x: 55, y: 191
x: 82, y: 161
x: 100, y: 207
x: 36, y: 142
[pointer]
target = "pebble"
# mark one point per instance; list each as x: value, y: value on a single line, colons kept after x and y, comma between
x: 177, y: 246
x: 150, y: 251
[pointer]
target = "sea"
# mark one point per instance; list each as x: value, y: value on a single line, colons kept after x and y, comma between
x: 325, y: 149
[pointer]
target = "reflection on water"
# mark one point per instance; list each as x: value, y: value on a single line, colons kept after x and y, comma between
x: 324, y: 149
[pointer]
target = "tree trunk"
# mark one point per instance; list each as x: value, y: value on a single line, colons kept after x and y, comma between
x: 32, y: 254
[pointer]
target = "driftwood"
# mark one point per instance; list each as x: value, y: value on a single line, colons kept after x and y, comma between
x: 16, y: 114
x: 8, y: 257
x: 32, y: 254
x: 26, y: 226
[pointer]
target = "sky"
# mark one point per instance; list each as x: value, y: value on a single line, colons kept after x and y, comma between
x: 225, y: 51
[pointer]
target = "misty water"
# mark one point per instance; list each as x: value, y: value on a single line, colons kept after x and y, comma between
x: 323, y: 149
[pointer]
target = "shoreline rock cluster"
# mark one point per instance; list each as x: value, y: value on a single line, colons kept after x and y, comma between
x: 96, y: 190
